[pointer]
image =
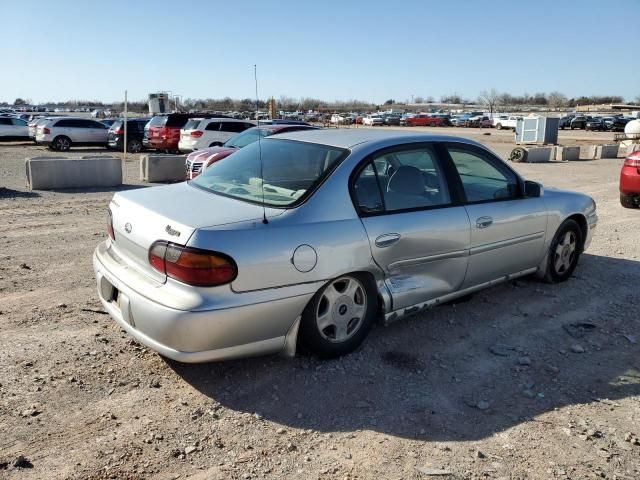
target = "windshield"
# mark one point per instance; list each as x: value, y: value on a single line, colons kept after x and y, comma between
x: 248, y: 136
x: 290, y: 170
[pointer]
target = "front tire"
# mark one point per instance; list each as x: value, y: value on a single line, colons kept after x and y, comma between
x: 564, y: 252
x: 134, y: 146
x: 339, y: 316
x: 61, y: 144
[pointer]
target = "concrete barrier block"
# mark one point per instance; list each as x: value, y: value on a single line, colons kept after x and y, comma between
x: 607, y: 151
x: 162, y: 168
x: 633, y: 147
x: 54, y: 173
x: 588, y: 152
x: 539, y: 154
x: 566, y: 153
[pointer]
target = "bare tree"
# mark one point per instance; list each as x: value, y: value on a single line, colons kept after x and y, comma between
x: 489, y: 99
x: 556, y: 100
x: 419, y: 99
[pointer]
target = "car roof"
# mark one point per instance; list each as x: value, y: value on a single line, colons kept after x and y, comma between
x: 348, y: 138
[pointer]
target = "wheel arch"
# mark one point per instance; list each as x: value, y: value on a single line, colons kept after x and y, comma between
x: 581, y: 220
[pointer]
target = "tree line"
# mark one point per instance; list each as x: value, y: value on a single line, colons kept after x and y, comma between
x: 492, y: 99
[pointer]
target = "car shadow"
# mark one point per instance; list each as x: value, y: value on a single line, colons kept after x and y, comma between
x: 10, y: 193
x: 461, y: 371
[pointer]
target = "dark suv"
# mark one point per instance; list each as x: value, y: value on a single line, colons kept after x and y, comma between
x: 135, y: 133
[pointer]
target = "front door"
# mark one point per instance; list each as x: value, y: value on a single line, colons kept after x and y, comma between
x: 507, y: 228
x: 418, y: 237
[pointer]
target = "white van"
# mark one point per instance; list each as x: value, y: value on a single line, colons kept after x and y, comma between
x: 199, y: 133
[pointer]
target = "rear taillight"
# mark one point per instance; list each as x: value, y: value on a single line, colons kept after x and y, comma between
x: 193, y: 266
x: 196, y: 133
x: 46, y: 131
x: 110, y: 231
x: 632, y: 160
x: 120, y: 131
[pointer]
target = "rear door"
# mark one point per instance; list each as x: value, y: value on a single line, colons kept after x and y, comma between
x: 418, y: 232
x: 212, y: 135
x: 72, y: 128
x: 507, y: 229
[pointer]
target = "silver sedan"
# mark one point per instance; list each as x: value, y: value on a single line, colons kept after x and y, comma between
x: 309, y: 237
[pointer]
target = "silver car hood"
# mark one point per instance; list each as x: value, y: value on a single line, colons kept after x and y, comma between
x: 172, y: 213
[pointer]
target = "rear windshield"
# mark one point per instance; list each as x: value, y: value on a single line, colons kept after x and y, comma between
x: 158, y: 121
x: 116, y: 125
x: 288, y: 173
x: 192, y: 124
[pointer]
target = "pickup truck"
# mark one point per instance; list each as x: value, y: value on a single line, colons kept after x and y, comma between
x: 506, y: 121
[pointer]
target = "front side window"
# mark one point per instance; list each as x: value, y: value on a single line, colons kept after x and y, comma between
x: 483, y: 178
x: 401, y: 180
x: 279, y: 173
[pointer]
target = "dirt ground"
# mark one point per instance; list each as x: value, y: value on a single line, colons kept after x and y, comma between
x: 521, y: 381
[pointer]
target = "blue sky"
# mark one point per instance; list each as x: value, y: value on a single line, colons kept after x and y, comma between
x: 369, y: 50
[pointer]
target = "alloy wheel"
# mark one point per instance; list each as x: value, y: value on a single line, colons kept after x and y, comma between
x: 565, y: 253
x: 341, y: 309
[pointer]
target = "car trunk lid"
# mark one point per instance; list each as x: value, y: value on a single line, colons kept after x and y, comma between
x: 171, y: 213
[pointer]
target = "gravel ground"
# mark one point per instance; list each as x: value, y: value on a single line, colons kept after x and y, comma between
x: 522, y: 381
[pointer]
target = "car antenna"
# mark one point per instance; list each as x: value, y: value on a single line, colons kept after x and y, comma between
x: 264, y: 208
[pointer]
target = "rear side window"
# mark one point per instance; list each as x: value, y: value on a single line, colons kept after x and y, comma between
x: 233, y: 127
x: 68, y: 123
x: 213, y: 126
x: 405, y: 179
x: 483, y: 177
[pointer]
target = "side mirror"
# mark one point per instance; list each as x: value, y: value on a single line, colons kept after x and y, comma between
x: 532, y: 189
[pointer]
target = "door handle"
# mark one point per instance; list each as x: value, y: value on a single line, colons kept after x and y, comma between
x: 387, y: 239
x: 484, y: 222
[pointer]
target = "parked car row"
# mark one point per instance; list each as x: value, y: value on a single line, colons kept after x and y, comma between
x: 585, y: 122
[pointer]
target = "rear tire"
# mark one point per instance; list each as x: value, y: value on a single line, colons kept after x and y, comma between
x: 339, y: 316
x: 564, y: 252
x: 629, y: 201
x: 499, y: 126
x: 61, y: 143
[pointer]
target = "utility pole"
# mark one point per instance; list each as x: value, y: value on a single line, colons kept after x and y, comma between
x: 125, y: 127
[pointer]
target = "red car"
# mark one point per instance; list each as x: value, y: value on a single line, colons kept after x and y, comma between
x: 201, y: 159
x: 164, y: 130
x: 630, y: 181
x: 424, y: 120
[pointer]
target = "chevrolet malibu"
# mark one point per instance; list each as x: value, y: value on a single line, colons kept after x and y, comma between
x: 306, y: 238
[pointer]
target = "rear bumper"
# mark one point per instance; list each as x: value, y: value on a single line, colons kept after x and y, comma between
x: 251, y: 326
x: 187, y: 146
x: 630, y: 180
